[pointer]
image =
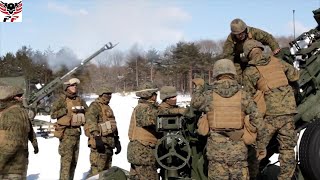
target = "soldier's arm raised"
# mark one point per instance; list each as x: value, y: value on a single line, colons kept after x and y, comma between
x: 265, y: 38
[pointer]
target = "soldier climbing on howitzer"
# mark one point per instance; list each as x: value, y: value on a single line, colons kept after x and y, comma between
x: 69, y: 110
x: 101, y: 128
x: 15, y: 131
x: 267, y: 79
x: 142, y: 134
x: 233, y: 120
x: 233, y: 46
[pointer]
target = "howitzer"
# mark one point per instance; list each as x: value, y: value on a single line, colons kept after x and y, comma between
x: 32, y: 102
x: 180, y: 152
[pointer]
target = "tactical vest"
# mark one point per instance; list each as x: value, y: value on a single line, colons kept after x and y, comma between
x: 140, y: 134
x: 226, y: 113
x: 72, y: 119
x: 107, y: 121
x: 272, y: 75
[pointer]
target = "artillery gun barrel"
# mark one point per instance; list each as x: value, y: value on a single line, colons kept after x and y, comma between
x: 50, y: 87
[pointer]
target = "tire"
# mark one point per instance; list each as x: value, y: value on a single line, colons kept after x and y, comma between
x: 309, y: 151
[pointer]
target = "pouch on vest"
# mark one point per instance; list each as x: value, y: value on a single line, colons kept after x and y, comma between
x: 64, y: 120
x: 235, y: 135
x: 77, y: 119
x: 203, y: 125
x: 260, y: 101
x: 250, y: 132
x: 58, y: 131
x: 105, y: 128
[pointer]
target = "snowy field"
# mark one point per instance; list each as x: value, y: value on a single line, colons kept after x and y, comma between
x: 46, y: 164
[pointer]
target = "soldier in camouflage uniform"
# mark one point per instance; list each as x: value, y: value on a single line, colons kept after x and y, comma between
x: 168, y: 95
x: 143, y: 136
x: 233, y: 46
x: 69, y: 111
x: 226, y: 107
x: 15, y: 131
x: 101, y: 128
x: 270, y: 76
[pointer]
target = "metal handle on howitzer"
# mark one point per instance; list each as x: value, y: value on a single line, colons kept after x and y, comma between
x: 47, y: 89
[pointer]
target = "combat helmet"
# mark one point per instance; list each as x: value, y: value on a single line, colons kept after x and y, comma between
x: 223, y: 66
x: 70, y: 82
x: 249, y: 45
x: 237, y: 26
x: 104, y: 90
x: 167, y: 92
x: 146, y: 90
x: 7, y: 92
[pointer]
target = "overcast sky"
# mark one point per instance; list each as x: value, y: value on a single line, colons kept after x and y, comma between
x: 84, y: 26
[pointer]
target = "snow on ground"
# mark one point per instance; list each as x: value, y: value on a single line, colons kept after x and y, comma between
x: 46, y: 164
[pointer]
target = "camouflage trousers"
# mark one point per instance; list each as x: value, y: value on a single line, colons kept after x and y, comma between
x: 13, y: 162
x: 69, y: 151
x: 284, y: 126
x: 100, y: 162
x: 227, y: 158
x: 143, y: 161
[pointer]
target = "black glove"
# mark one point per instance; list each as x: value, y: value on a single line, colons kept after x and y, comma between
x: 117, y: 144
x: 99, y: 144
x: 36, y: 149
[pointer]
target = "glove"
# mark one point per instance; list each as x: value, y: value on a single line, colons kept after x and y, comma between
x: 99, y: 144
x: 261, y: 153
x: 36, y: 149
x: 117, y: 144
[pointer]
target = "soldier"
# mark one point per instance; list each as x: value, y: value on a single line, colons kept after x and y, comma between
x: 269, y: 77
x: 101, y: 128
x: 240, y: 32
x: 69, y: 111
x: 15, y: 130
x: 230, y: 113
x: 142, y: 135
x: 168, y: 95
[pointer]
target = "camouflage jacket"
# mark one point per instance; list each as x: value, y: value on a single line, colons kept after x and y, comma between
x: 146, y: 113
x: 17, y: 127
x: 232, y: 49
x: 279, y: 101
x: 94, y: 115
x: 201, y: 101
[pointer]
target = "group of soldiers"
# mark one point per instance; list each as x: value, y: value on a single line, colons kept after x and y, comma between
x: 250, y: 100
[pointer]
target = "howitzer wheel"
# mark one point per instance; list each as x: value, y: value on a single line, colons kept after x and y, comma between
x: 309, y: 151
x: 181, y: 157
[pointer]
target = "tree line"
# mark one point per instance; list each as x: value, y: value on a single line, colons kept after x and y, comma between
x: 177, y: 65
